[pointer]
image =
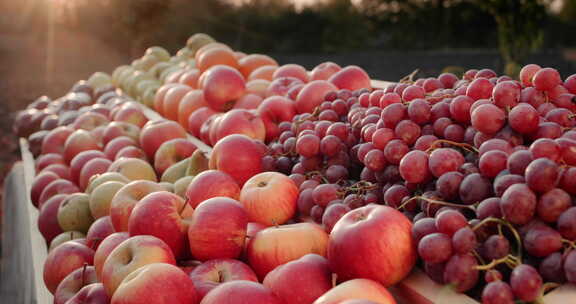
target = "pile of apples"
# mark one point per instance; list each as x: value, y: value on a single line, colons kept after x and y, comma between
x: 134, y: 211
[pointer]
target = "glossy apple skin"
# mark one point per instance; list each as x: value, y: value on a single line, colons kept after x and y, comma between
x: 279, y: 245
x: 198, y: 118
x: 255, y: 91
x: 223, y: 85
x: 281, y: 86
x: 130, y: 255
x: 312, y: 95
x: 273, y: 111
x: 209, y: 184
x: 192, y: 101
x: 59, y: 186
x: 46, y: 160
x: 324, y: 70
x: 155, y: 133
x: 352, y: 78
x: 332, y: 214
x: 61, y: 170
x: 64, y: 259
x: 80, y: 160
x: 131, y: 152
x: 92, y: 168
x: 126, y: 198
x: 240, y: 121
x: 89, y: 121
x: 372, y: 242
x: 115, y: 145
x: 90, y: 294
x: 264, y: 72
x: 212, y: 273
x: 270, y: 198
x: 54, y: 141
x: 251, y: 62
x: 171, y: 152
x: 172, y: 101
x: 239, y: 156
x: 40, y: 182
x: 310, y: 275
x: 357, y: 289
x: 105, y: 248
x: 164, y: 215
x: 98, y: 231
x: 156, y: 283
x: 161, y: 94
x: 131, y: 113
x: 120, y: 128
x: 80, y: 140
x: 217, y: 229
x: 241, y: 292
x: 48, y: 218
x: 133, y: 169
x: 72, y: 283
x: 190, y: 78
x: 292, y: 70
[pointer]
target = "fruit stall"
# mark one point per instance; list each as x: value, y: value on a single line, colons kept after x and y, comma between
x: 217, y: 177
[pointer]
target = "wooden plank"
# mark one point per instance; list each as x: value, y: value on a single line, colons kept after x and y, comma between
x: 380, y: 84
x: 418, y: 288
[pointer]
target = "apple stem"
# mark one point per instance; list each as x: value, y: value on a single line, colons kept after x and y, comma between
x: 334, y: 279
x: 84, y: 274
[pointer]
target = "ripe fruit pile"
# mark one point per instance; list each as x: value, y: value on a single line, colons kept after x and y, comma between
x: 318, y: 188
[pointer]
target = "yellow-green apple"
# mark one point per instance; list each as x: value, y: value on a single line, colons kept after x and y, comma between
x: 156, y: 283
x: 64, y: 259
x: 115, y: 145
x: 155, y: 133
x: 48, y: 217
x: 167, y: 186
x: 192, y: 101
x: 101, y: 197
x: 278, y: 245
x: 181, y: 185
x: 309, y: 275
x: 281, y: 86
x: 250, y: 101
x: 172, y: 101
x: 73, y: 282
x: 324, y: 70
x: 92, y: 294
x: 100, y: 229
x: 133, y: 169
x: 176, y: 171
x: 332, y: 214
x: 63, y: 171
x: 269, y: 198
x: 373, y: 242
x: 65, y: 237
x: 171, y: 152
x: 223, y: 85
x: 106, y: 246
x: 159, y: 52
x: 217, y: 229
x: 292, y: 70
x: 93, y: 167
x: 80, y: 140
x: 240, y: 292
x: 209, y: 184
x: 264, y: 72
x: 252, y: 62
x: 237, y: 155
x: 99, y: 179
x: 40, y: 182
x: 59, y: 186
x: 74, y: 213
x: 197, y: 119
x: 164, y: 215
x: 54, y: 141
x: 80, y: 160
x: 352, y: 78
x: 359, y: 289
x: 98, y: 80
x: 130, y: 255
x: 45, y: 160
x: 212, y: 273
x: 89, y: 121
x: 131, y: 152
x: 312, y: 95
x: 197, y: 41
x: 240, y: 121
x: 120, y: 128
x: 126, y: 198
x: 274, y: 110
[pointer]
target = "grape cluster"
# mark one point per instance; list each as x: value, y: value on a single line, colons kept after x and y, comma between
x: 483, y: 165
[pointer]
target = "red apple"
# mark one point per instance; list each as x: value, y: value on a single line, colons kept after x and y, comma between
x: 172, y: 101
x: 249, y: 101
x: 90, y: 294
x: 156, y: 283
x: 98, y: 231
x: 73, y: 282
x: 190, y: 78
x: 155, y: 133
x: 269, y: 198
x: 64, y: 259
x: 63, y: 171
x: 273, y: 111
x: 126, y: 198
x: 217, y: 229
x: 131, y: 113
x: 171, y: 152
x: 373, y: 242
x: 281, y: 86
x: 48, y: 218
x: 209, y: 184
x: 80, y: 160
x: 251, y: 62
x: 161, y: 94
x: 292, y: 70
x: 264, y: 72
x: 191, y: 102
x: 241, y: 292
x: 279, y: 245
x: 89, y: 121
x: 164, y: 215
x: 212, y: 273
x: 312, y: 95
x: 54, y: 141
x: 239, y: 121
x: 46, y: 160
x: 310, y: 275
x: 100, y: 109
x: 92, y: 168
x: 223, y: 85
x: 197, y: 119
x: 49, y: 122
x: 66, y: 236
x: 120, y: 128
x: 352, y: 78
x: 117, y: 144
x: 106, y: 246
x: 131, y: 152
x: 60, y: 186
x: 357, y: 289
x: 324, y: 70
x: 208, y: 131
x: 80, y: 140
x: 130, y: 255
x: 40, y: 182
x: 237, y: 155
x: 133, y: 169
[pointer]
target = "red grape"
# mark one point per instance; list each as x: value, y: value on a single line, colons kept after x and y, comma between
x: 464, y: 240
x: 526, y: 282
x: 497, y: 292
x: 474, y: 188
x: 445, y: 160
x: 395, y: 150
x: 570, y: 266
x: 324, y: 194
x: 419, y: 111
x: 414, y: 167
x: 435, y: 248
x: 503, y: 182
x: 551, y: 268
x: 461, y: 272
x: 518, y: 204
x: 308, y: 145
x: 492, y: 163
x: 423, y: 227
x: 542, y: 175
x: 541, y: 241
x: 488, y: 118
x: 552, y: 204
x: 518, y: 161
x: 527, y: 73
x: 448, y: 184
x: 546, y: 79
x: 495, y: 247
x: 524, y: 119
x: 450, y: 221
x: 460, y: 109
x: 375, y: 160
x: 489, y: 207
x: 567, y: 224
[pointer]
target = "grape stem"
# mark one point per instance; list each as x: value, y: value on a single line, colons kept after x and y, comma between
x: 464, y: 146
x: 410, y: 77
x: 507, y: 224
x: 507, y: 259
x: 433, y: 201
x: 569, y: 243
